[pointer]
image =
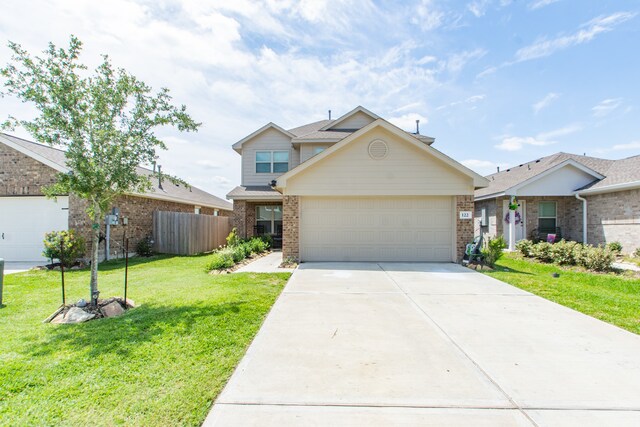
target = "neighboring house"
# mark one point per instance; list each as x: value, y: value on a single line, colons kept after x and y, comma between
x: 26, y: 214
x: 356, y: 188
x: 552, y: 194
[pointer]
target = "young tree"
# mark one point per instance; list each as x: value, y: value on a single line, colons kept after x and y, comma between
x: 104, y: 120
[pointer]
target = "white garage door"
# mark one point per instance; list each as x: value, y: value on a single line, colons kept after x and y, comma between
x: 23, y: 223
x: 376, y: 229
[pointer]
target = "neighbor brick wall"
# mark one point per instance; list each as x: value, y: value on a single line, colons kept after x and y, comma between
x: 614, y: 217
x: 139, y: 211
x: 291, y: 227
x: 490, y: 229
x: 464, y: 227
x: 20, y: 175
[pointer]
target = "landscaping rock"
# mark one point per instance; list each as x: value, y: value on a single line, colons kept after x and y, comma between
x: 82, y: 303
x: 131, y: 303
x: 77, y: 315
x: 112, y: 309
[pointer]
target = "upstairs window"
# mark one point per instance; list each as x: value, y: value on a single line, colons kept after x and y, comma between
x: 547, y: 217
x: 272, y: 161
x: 318, y: 150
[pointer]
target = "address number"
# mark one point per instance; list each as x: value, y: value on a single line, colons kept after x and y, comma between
x: 466, y: 214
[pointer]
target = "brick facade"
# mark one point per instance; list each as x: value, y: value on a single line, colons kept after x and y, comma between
x: 244, y: 216
x: 614, y: 217
x: 291, y: 227
x: 464, y: 227
x: 20, y: 175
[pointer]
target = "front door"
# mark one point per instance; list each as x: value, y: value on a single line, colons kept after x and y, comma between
x: 521, y: 227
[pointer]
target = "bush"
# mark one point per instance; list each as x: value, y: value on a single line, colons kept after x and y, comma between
x: 597, y: 258
x: 64, y: 245
x: 615, y: 247
x: 144, y: 247
x: 542, y: 251
x: 258, y: 245
x: 493, y: 251
x: 220, y: 260
x: 237, y: 253
x: 233, y: 239
x: 524, y: 247
x: 562, y: 252
x: 636, y: 253
x: 268, y: 239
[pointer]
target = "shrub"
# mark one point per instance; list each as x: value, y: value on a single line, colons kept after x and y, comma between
x: 636, y: 253
x: 597, y: 258
x: 268, y: 239
x: 237, y: 253
x: 65, y: 246
x: 493, y: 251
x: 144, y: 247
x: 524, y: 247
x: 258, y: 245
x: 233, y: 239
x: 615, y: 247
x: 220, y: 260
x: 542, y: 251
x: 562, y: 252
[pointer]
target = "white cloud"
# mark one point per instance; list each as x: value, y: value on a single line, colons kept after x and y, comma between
x: 540, y: 3
x: 634, y: 145
x: 428, y: 16
x: 478, y: 7
x: 588, y: 31
x: 470, y: 100
x: 515, y: 143
x: 545, y: 102
x: 457, y: 61
x: 606, y: 107
x: 408, y: 122
x: 483, y: 167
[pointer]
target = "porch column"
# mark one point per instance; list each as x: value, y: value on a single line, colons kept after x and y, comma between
x: 291, y: 227
x: 512, y: 225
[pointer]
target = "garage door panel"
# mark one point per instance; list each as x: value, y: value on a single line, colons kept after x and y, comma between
x: 376, y: 229
x: 25, y: 220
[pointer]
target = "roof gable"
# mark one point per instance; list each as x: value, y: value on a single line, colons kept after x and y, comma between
x: 238, y: 145
x: 398, y: 135
x: 343, y: 122
x: 560, y: 180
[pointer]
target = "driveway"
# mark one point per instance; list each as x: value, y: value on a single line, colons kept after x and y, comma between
x: 351, y: 344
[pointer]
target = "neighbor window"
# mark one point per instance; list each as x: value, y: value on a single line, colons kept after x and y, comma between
x: 196, y: 210
x: 318, y: 150
x: 269, y: 219
x: 547, y: 218
x: 272, y: 161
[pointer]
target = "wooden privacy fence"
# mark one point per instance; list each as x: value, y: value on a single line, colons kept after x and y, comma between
x: 187, y: 234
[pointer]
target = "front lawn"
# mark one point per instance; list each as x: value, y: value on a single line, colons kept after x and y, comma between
x: 608, y: 297
x: 162, y: 363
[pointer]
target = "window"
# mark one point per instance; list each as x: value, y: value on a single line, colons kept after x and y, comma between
x: 547, y: 217
x: 272, y: 161
x: 318, y: 150
x: 269, y: 219
x: 196, y: 210
x: 216, y: 212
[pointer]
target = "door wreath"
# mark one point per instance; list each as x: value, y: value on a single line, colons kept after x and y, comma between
x: 517, y: 215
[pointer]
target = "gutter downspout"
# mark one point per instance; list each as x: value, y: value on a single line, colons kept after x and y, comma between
x: 584, y: 218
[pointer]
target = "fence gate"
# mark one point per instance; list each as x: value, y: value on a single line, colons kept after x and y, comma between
x: 187, y: 234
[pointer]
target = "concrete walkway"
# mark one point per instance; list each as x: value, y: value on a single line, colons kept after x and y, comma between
x: 365, y: 344
x: 266, y: 264
x: 20, y: 266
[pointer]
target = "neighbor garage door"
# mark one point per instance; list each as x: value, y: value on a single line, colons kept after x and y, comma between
x: 23, y: 223
x: 376, y: 229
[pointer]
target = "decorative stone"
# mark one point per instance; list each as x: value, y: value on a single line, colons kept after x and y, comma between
x: 77, y: 315
x: 131, y: 303
x: 81, y: 303
x: 112, y: 309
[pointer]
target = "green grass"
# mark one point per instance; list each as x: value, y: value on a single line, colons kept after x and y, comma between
x: 609, y: 297
x: 162, y: 363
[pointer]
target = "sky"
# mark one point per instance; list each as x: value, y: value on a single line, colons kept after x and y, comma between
x: 496, y: 82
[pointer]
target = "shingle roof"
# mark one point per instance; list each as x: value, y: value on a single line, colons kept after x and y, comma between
x: 253, y: 192
x: 620, y: 172
x: 501, y: 181
x: 177, y: 193
x: 312, y: 132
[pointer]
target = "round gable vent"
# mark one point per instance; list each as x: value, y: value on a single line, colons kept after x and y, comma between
x: 378, y: 149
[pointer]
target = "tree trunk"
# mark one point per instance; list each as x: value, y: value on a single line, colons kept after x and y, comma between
x: 95, y: 241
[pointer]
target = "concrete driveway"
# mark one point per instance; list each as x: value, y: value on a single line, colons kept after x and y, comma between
x: 366, y: 344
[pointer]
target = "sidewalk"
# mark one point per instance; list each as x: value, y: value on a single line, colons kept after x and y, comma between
x: 266, y: 264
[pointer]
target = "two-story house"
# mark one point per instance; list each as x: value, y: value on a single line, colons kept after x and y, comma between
x: 356, y: 188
